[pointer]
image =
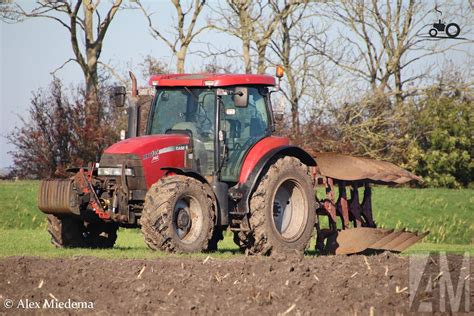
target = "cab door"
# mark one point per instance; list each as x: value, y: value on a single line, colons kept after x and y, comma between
x: 243, y: 127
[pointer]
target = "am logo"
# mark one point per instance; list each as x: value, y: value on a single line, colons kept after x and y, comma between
x: 440, y: 283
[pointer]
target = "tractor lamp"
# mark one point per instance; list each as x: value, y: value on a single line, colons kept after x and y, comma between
x: 115, y: 172
x: 279, y: 71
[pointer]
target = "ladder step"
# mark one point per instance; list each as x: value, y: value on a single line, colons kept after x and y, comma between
x: 237, y: 213
x: 238, y: 229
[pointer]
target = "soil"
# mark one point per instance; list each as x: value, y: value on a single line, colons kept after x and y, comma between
x: 242, y: 285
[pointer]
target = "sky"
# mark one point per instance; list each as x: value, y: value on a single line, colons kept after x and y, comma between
x: 31, y: 50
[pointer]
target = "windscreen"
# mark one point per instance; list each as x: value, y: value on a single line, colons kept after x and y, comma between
x: 192, y: 110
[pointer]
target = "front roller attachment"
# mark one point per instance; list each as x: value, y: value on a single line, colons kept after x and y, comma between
x: 58, y: 197
x: 358, y: 232
x: 73, y: 197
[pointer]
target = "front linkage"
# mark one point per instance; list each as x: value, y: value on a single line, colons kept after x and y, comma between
x: 77, y: 196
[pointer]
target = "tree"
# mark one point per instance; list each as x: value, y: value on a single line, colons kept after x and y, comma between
x: 372, y: 126
x: 179, y: 45
x: 254, y: 23
x: 380, y: 40
x: 292, y: 51
x: 87, y: 24
x: 56, y: 136
x: 152, y: 66
x: 442, y: 150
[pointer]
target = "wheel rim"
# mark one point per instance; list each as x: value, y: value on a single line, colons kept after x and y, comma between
x: 187, y: 219
x: 289, y: 210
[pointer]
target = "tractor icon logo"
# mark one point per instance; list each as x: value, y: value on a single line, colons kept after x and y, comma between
x: 452, y: 29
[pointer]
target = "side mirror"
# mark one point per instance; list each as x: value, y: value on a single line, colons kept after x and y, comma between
x: 278, y: 116
x: 118, y: 96
x: 241, y: 97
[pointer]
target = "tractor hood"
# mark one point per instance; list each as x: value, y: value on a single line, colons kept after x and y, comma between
x: 148, y: 146
x: 152, y: 152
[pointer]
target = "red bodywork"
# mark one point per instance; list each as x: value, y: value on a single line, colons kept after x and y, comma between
x: 257, y: 152
x: 204, y: 80
x: 147, y: 148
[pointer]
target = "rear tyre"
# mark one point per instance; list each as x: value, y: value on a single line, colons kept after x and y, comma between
x: 70, y: 232
x: 282, y: 210
x: 178, y: 215
x: 452, y: 30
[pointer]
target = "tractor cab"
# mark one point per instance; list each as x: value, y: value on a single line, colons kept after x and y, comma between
x: 223, y: 115
x: 224, y: 120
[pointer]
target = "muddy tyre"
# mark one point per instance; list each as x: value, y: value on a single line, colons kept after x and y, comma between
x: 282, y: 210
x: 101, y: 235
x: 70, y: 232
x: 178, y: 215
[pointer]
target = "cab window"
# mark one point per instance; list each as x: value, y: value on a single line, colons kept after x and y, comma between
x: 243, y: 127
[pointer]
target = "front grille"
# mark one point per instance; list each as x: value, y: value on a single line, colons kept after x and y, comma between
x: 136, y: 182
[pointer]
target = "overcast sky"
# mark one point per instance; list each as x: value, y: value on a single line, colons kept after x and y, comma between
x: 31, y: 50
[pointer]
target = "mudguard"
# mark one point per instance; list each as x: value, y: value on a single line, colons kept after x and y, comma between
x: 245, y: 189
x: 185, y: 172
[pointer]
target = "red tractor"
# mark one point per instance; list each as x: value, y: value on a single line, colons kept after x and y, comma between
x: 207, y: 161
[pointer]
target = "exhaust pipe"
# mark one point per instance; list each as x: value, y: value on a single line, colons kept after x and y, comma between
x: 133, y: 110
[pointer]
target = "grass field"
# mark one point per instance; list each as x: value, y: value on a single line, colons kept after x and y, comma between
x: 447, y: 214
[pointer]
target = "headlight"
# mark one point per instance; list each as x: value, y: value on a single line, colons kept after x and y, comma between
x: 115, y: 172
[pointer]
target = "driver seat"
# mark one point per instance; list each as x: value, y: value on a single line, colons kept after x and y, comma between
x: 199, y: 150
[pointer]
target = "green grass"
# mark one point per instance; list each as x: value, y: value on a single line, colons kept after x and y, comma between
x: 130, y: 244
x: 447, y: 214
x: 18, y: 205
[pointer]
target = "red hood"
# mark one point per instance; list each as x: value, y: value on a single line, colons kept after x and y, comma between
x: 145, y: 145
x: 155, y: 152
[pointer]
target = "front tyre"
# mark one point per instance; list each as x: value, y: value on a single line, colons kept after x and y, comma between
x: 433, y: 32
x: 72, y: 232
x: 178, y: 215
x: 282, y: 210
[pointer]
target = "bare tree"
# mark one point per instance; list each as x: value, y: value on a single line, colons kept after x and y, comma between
x: 152, y: 66
x: 178, y: 45
x: 379, y: 41
x: 254, y: 23
x: 291, y: 49
x: 238, y: 22
x: 89, y: 25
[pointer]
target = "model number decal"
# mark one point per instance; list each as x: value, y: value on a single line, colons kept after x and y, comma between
x: 157, y: 152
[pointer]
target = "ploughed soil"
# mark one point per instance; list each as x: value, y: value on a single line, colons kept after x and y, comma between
x: 243, y: 285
